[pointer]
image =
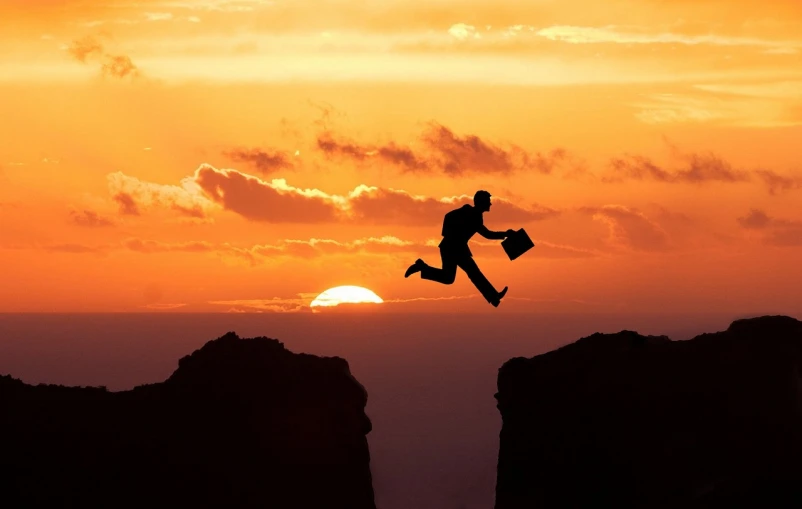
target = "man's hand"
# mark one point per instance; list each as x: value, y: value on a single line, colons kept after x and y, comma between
x: 509, y: 233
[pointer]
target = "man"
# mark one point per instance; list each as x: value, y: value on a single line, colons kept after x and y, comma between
x: 458, y: 227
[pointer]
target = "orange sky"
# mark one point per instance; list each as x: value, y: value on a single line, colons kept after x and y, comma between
x: 242, y: 155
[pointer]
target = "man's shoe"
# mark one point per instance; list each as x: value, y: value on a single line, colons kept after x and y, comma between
x: 500, y: 296
x: 415, y: 267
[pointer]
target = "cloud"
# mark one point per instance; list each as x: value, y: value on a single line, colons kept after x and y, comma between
x: 440, y: 150
x: 83, y: 48
x: 693, y: 169
x: 630, y: 228
x: 755, y: 220
x: 389, y: 206
x: 89, y: 219
x: 164, y: 306
x: 274, y: 305
x: 223, y: 250
x: 777, y: 183
x: 775, y: 232
x: 543, y: 249
x: 89, y: 48
x: 75, y: 248
x: 430, y: 299
x: 390, y: 153
x: 158, y: 16
x: 273, y: 201
x: 118, y: 66
x: 313, y: 248
x: 152, y: 246
x: 278, y: 202
x: 611, y: 34
x: 266, y: 162
x: 462, y: 31
x: 133, y: 195
x: 128, y: 206
x: 458, y: 155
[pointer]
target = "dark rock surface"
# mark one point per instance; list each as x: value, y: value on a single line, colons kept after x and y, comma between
x: 624, y: 420
x: 240, y: 423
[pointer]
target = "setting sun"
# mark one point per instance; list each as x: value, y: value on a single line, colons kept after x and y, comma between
x: 346, y: 295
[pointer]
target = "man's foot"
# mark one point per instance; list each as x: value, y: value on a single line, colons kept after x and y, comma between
x: 498, y: 298
x: 415, y: 267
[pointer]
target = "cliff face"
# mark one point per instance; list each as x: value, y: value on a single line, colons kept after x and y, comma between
x: 624, y: 420
x: 240, y: 423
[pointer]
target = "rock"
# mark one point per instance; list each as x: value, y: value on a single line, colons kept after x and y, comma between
x: 624, y: 420
x: 241, y: 423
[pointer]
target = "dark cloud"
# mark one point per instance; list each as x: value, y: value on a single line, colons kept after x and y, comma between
x: 89, y: 219
x: 755, y: 220
x: 693, y: 169
x: 195, y: 210
x: 776, y: 232
x: 467, y: 154
x: 128, y: 206
x: 777, y: 183
x: 390, y: 206
x: 278, y: 202
x: 630, y: 228
x: 266, y: 162
x: 440, y: 150
x: 274, y: 202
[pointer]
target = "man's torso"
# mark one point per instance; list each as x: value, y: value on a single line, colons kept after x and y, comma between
x: 458, y: 227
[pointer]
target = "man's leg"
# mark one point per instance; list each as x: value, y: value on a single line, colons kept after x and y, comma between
x: 479, y: 280
x: 446, y: 275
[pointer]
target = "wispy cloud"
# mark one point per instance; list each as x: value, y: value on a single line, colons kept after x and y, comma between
x: 89, y: 219
x: 164, y: 306
x: 127, y: 204
x: 775, y: 231
x: 134, y: 195
x: 274, y: 305
x: 692, y: 168
x: 440, y: 150
x: 777, y: 183
x: 630, y: 228
x: 617, y: 35
x: 89, y: 49
x: 695, y: 168
x: 263, y: 160
x: 462, y: 31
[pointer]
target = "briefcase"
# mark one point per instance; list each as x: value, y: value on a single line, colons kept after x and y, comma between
x: 517, y: 244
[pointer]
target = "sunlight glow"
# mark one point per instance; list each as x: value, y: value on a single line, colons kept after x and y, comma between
x: 346, y: 295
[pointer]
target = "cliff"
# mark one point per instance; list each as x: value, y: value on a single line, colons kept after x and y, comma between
x: 240, y: 423
x: 624, y: 420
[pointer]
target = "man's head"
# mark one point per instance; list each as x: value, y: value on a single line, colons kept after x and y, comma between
x: 481, y: 200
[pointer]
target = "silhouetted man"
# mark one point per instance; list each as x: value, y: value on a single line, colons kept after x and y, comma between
x: 458, y: 227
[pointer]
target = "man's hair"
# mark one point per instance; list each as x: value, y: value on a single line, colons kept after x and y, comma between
x: 481, y: 196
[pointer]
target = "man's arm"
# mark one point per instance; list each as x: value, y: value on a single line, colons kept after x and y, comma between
x: 484, y: 232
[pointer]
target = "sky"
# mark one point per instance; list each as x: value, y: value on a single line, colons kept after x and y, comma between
x: 244, y: 156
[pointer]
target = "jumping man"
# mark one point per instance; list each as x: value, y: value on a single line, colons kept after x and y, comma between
x: 458, y: 227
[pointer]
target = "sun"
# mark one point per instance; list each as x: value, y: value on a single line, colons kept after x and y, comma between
x: 345, y: 295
